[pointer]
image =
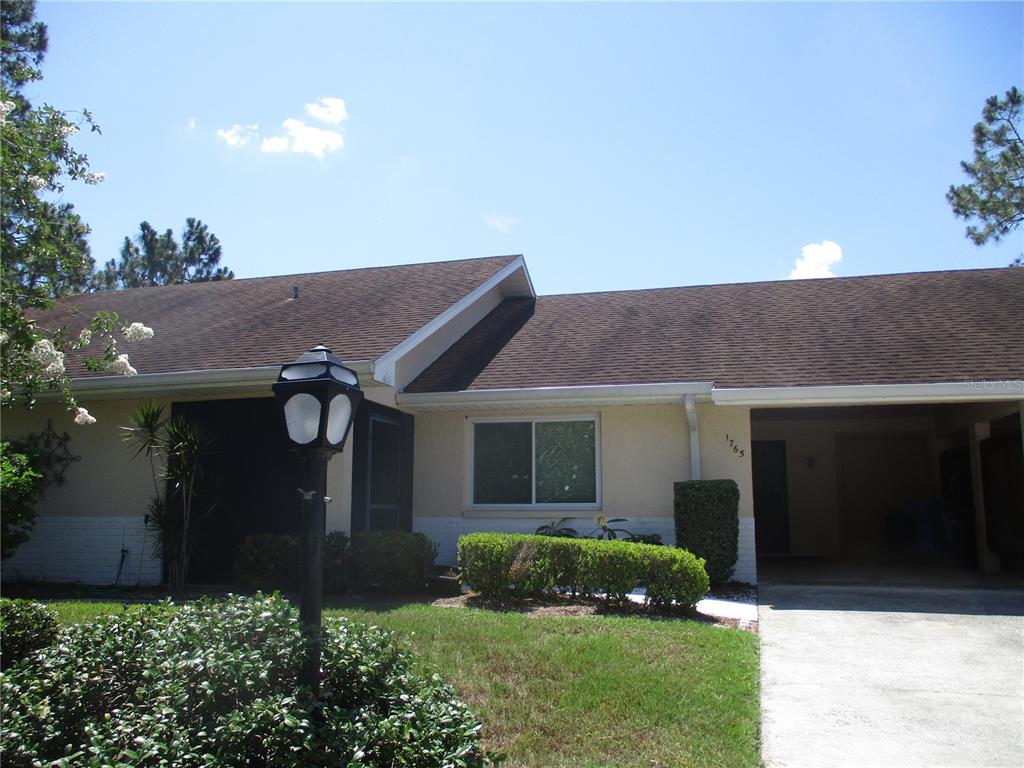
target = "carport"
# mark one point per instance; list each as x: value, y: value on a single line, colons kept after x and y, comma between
x: 855, y: 492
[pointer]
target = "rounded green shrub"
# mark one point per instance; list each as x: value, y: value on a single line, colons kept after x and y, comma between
x: 216, y: 683
x: 394, y: 562
x: 267, y: 561
x: 25, y: 627
x: 337, y: 563
x: 707, y: 523
x: 500, y: 565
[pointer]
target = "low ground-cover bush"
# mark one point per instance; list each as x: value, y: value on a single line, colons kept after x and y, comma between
x: 707, y: 523
x: 25, y: 627
x: 215, y: 683
x: 515, y: 565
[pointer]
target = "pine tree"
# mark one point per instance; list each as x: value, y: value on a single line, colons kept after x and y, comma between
x: 153, y: 258
x: 995, y: 195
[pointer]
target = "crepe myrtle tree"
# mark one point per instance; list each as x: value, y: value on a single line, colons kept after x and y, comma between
x: 42, y: 238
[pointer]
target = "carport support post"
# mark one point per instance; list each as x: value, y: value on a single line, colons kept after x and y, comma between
x: 988, y: 561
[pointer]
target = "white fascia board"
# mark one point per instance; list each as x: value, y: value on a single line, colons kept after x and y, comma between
x: 555, y: 397
x: 384, y: 366
x: 870, y: 394
x: 214, y: 381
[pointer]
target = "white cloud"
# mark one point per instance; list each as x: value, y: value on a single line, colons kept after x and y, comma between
x: 329, y: 110
x: 275, y: 144
x: 817, y: 260
x: 304, y: 140
x: 238, y: 135
x: 191, y: 124
x: 299, y: 137
x: 501, y: 222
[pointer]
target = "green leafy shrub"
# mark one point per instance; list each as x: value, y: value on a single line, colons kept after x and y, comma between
x: 21, y: 485
x: 499, y: 565
x: 393, y: 562
x: 25, y: 627
x: 270, y: 561
x: 675, y: 576
x: 216, y: 683
x: 707, y: 523
x: 645, y: 538
x: 267, y: 561
x: 557, y: 528
x: 337, y: 563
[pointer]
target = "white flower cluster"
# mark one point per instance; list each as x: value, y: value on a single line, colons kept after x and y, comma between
x: 83, y: 417
x: 6, y: 107
x: 95, y: 178
x: 85, y: 337
x: 36, y: 182
x: 69, y: 129
x: 120, y: 364
x: 48, y: 358
x: 137, y: 332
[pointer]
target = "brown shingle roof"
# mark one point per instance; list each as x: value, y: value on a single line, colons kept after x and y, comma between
x: 359, y: 313
x: 886, y: 329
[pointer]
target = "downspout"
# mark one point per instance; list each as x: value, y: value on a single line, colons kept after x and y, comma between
x: 690, y: 404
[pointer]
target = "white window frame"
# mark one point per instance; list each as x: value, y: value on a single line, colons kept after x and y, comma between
x: 533, y: 506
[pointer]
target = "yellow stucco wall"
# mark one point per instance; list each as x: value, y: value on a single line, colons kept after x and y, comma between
x: 644, y: 450
x: 725, y: 449
x: 108, y: 481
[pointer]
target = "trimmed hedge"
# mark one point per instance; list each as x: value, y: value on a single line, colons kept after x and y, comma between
x: 394, y: 562
x: 216, y: 683
x: 707, y: 523
x: 25, y: 627
x: 499, y: 565
x: 268, y: 561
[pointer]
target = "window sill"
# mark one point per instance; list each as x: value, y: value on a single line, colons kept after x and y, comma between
x: 531, y: 513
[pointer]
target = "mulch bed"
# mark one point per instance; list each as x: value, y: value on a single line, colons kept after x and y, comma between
x: 566, y: 605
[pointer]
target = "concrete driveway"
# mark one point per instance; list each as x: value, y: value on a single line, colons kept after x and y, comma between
x: 891, y: 676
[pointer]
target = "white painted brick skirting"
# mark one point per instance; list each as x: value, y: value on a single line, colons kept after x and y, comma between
x: 445, y: 531
x: 746, y: 559
x: 85, y: 549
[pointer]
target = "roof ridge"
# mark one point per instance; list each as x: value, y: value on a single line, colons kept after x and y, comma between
x: 882, y: 276
x: 236, y: 280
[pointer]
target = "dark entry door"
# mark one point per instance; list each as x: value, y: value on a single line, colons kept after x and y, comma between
x: 249, y: 477
x: 382, y: 469
x: 771, y: 497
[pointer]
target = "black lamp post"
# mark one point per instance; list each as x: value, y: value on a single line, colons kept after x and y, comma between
x: 318, y: 396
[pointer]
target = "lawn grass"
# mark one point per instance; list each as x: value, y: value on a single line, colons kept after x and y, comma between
x: 579, y: 691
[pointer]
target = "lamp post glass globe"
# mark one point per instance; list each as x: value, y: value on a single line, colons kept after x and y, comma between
x: 319, y: 396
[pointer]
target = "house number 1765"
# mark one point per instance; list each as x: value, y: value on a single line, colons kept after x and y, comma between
x: 735, y: 448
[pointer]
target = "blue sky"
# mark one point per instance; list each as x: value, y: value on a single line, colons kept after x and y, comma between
x: 615, y: 145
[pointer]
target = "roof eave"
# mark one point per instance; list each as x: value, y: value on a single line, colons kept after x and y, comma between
x: 554, y: 397
x: 872, y: 394
x: 217, y: 381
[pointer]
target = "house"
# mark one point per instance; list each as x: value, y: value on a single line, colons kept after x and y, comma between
x: 865, y: 419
